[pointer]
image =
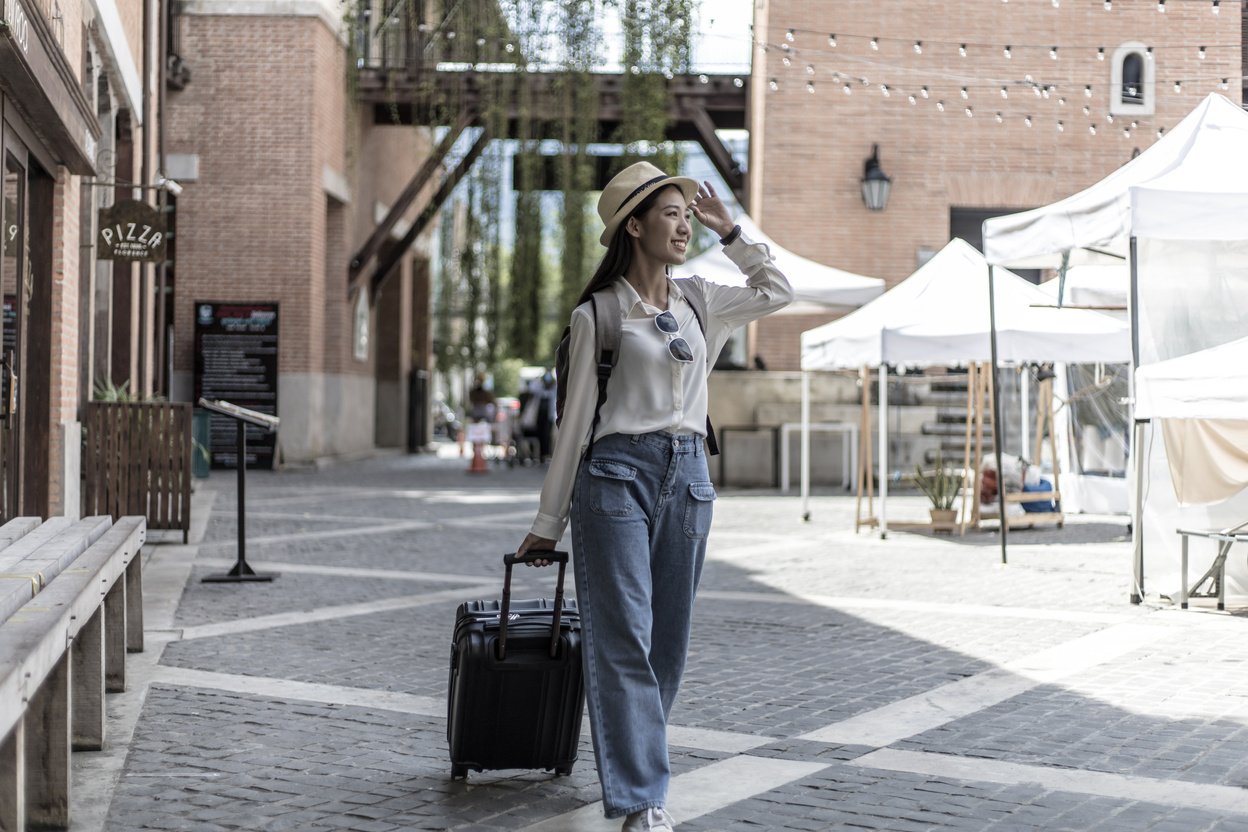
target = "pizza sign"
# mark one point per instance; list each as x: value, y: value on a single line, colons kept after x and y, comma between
x: 131, y: 230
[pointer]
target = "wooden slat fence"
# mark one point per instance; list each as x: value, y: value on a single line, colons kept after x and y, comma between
x: 137, y: 461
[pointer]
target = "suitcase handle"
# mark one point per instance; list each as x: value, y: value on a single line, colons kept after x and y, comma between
x: 509, y: 560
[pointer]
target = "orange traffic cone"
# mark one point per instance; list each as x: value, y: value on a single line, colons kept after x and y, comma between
x: 478, y: 459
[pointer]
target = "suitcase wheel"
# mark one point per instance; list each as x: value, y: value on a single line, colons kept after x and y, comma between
x: 459, y: 772
x: 563, y: 771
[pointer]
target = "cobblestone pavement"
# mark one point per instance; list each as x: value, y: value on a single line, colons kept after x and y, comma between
x: 835, y: 681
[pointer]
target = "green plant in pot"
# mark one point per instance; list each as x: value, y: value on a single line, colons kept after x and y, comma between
x: 941, y: 486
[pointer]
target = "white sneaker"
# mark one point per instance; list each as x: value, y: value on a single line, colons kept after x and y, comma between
x: 649, y: 820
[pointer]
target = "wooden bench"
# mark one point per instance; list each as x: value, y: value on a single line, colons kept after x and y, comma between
x: 70, y: 608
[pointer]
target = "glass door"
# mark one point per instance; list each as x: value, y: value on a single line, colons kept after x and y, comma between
x: 15, y: 285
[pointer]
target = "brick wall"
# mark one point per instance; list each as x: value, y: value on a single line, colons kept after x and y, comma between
x: 63, y: 402
x: 809, y: 162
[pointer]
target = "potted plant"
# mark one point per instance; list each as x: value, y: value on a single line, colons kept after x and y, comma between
x: 941, y: 486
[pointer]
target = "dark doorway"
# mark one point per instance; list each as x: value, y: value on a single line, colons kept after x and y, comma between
x: 968, y: 223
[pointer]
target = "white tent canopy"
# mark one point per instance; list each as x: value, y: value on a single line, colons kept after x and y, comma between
x: 812, y: 282
x: 1190, y: 163
x: 1098, y: 285
x: 940, y: 315
x: 1209, y: 384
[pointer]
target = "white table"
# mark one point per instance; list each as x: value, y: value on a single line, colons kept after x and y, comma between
x: 849, y: 448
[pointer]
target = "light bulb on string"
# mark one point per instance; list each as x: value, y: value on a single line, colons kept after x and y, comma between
x: 1061, y: 128
x: 1148, y: 53
x: 1178, y: 86
x: 790, y: 36
x: 962, y: 50
x: 884, y: 90
x: 913, y: 100
x: 1161, y: 6
x: 847, y: 89
x: 1053, y: 52
x: 1215, y: 8
x: 738, y: 83
x: 1027, y: 120
x: 923, y: 92
x: 940, y: 105
x: 1092, y: 129
x: 918, y: 47
x: 1087, y: 91
x: 1135, y: 125
x: 970, y: 113
x: 1036, y: 90
x: 1061, y: 102
x: 1087, y: 111
x: 1201, y: 53
x: 1000, y: 118
x: 1226, y: 84
x: 509, y: 48
x: 1005, y: 93
x: 810, y: 87
x: 773, y: 84
x: 965, y: 94
x: 1161, y: 131
x: 810, y: 69
x: 450, y: 35
x: 480, y: 41
x: 1006, y: 52
x: 832, y: 41
x: 1044, y: 93
x: 1057, y: 4
x: 786, y: 61
x: 1109, y: 6
x: 1109, y: 117
x: 1100, y: 53
x: 1126, y: 134
x: 875, y: 44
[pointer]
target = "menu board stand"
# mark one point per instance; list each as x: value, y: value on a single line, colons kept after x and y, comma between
x: 242, y: 417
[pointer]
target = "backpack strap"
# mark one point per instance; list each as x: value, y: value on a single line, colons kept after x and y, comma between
x: 697, y: 302
x: 608, y: 332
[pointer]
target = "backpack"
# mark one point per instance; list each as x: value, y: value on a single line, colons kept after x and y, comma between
x: 607, y: 334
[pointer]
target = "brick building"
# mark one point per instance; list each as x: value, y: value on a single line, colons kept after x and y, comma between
x: 1040, y: 99
x: 285, y: 174
x: 79, y: 102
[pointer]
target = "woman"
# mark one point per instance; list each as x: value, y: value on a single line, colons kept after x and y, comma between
x: 640, y: 505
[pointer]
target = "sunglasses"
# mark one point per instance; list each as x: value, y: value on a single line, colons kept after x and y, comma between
x: 665, y: 322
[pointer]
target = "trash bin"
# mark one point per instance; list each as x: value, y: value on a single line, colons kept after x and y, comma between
x: 201, y: 457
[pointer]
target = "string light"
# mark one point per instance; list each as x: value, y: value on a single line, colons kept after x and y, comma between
x: 965, y: 94
x: 1087, y: 91
x: 940, y: 105
x: 923, y: 92
x: 1005, y: 93
x: 1000, y: 118
x: 1057, y: 4
x: 962, y: 50
x: 1092, y: 129
x: 913, y: 100
x: 1027, y: 120
x: 1087, y: 111
x: 884, y: 90
x: 773, y: 84
x: 1161, y: 131
x: 810, y: 87
x: 1109, y: 6
x: 810, y: 69
x: 1126, y: 134
x: 875, y: 44
x: 832, y: 40
x: 1178, y: 86
x: 918, y: 47
x: 787, y: 61
x: 970, y: 113
x: 1061, y: 128
x: 1201, y: 53
x: 790, y: 36
x: 1148, y: 53
x: 1006, y: 52
x: 1100, y: 53
x: 1109, y: 117
x: 1061, y: 102
x: 847, y: 89
x: 738, y: 83
x: 1226, y: 84
x: 1053, y: 53
x: 1161, y: 6
x: 1215, y: 6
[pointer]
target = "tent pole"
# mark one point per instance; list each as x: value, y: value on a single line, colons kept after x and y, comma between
x: 1024, y: 394
x: 865, y: 462
x: 966, y: 448
x: 996, y: 413
x: 805, y: 446
x: 883, y: 429
x: 1137, y: 444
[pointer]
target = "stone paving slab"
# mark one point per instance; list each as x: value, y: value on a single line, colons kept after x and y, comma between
x: 799, y: 626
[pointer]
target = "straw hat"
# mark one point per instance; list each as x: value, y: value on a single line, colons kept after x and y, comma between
x: 629, y: 187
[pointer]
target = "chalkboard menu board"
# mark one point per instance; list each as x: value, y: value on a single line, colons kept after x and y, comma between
x: 236, y: 360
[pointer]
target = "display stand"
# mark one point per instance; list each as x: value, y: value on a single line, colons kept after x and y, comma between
x: 242, y: 417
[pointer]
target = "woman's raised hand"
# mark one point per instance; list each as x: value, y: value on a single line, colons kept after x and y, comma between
x: 538, y: 543
x: 710, y: 210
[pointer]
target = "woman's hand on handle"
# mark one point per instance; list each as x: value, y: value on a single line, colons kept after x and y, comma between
x: 711, y: 211
x: 538, y: 543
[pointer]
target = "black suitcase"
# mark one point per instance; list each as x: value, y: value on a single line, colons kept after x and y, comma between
x: 516, y: 695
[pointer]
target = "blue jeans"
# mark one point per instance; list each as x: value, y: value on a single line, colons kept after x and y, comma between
x: 641, y: 510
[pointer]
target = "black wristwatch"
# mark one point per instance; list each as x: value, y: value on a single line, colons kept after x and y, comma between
x: 731, y: 236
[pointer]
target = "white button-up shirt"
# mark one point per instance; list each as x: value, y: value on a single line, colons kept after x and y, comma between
x: 649, y: 390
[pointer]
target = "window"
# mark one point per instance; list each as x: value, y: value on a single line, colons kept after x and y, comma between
x: 1132, y: 81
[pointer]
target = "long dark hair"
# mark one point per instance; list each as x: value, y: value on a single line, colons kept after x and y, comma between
x: 619, y: 254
